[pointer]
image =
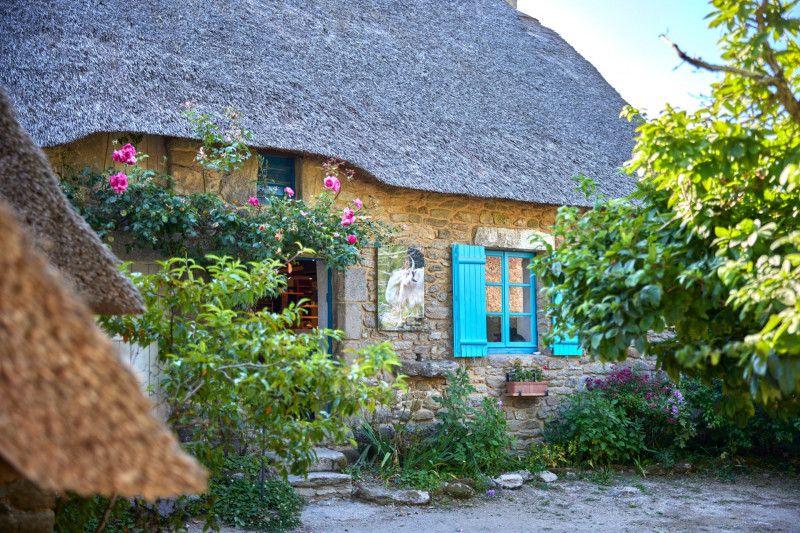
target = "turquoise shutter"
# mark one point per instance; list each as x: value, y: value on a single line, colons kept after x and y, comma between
x: 274, y: 174
x: 569, y: 346
x: 469, y: 301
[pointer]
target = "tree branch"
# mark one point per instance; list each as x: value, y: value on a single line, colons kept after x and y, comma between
x: 778, y: 80
x: 785, y: 95
x: 699, y: 63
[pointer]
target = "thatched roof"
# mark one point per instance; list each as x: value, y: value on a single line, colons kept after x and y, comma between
x: 462, y: 96
x: 28, y: 184
x: 71, y: 416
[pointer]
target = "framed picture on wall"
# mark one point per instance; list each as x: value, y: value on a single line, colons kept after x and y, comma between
x: 401, y: 288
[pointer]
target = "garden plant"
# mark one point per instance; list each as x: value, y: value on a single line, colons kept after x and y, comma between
x: 236, y: 381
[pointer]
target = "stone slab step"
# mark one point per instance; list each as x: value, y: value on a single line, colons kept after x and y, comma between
x: 320, y: 485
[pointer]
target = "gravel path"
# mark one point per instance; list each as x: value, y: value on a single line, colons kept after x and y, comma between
x: 760, y: 501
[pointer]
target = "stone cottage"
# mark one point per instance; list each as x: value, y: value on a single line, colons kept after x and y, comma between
x: 464, y: 121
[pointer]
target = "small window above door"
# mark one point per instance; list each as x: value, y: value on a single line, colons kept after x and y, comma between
x: 274, y: 175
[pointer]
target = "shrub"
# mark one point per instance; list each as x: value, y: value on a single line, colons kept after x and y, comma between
x: 468, y: 441
x: 653, y: 400
x: 597, y: 430
x: 717, y: 434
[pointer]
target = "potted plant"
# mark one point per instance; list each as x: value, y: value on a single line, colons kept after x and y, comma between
x: 525, y: 381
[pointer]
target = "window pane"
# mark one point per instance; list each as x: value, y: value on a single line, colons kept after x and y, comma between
x: 519, y: 299
x: 518, y: 270
x: 520, y: 330
x: 494, y: 330
x: 494, y: 299
x: 494, y: 269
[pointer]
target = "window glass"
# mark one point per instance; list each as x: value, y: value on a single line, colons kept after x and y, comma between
x: 520, y: 329
x: 518, y: 270
x: 494, y: 269
x: 494, y: 299
x: 494, y: 329
x: 510, y: 302
x: 519, y: 299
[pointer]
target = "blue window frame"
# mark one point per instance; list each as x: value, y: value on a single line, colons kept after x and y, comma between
x: 274, y: 174
x: 510, y: 303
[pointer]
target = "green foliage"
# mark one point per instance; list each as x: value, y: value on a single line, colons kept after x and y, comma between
x: 598, y: 430
x: 717, y: 434
x: 233, y: 501
x: 223, y: 147
x: 544, y: 455
x: 232, y: 375
x: 155, y: 216
x: 709, y: 245
x: 468, y: 442
x: 651, y: 399
x: 518, y: 373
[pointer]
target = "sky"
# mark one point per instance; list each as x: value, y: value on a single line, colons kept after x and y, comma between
x: 621, y: 39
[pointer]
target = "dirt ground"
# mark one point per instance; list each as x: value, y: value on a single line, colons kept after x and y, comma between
x: 755, y: 501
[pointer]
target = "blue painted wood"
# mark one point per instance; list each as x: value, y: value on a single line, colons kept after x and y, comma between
x: 274, y: 174
x: 469, y: 301
x: 507, y: 345
x: 569, y: 346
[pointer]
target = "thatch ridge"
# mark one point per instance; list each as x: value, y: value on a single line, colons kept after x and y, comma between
x: 28, y: 184
x: 465, y: 97
x: 71, y: 416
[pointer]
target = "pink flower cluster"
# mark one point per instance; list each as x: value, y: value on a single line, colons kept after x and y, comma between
x: 348, y: 217
x: 253, y: 201
x: 332, y: 182
x: 118, y: 182
x: 126, y: 155
x: 289, y: 191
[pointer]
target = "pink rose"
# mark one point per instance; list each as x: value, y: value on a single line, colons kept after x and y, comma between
x: 332, y: 182
x: 118, y: 182
x: 349, y: 217
x: 359, y: 203
x: 125, y: 155
x: 253, y: 201
x: 335, y: 233
x: 352, y: 239
x: 289, y: 192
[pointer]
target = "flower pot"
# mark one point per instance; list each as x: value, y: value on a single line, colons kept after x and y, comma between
x: 526, y: 388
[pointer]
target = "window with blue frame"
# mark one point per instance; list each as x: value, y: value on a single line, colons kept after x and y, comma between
x: 510, y: 303
x: 274, y: 175
x: 494, y: 304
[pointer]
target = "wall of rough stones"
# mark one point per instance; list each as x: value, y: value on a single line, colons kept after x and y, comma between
x: 433, y: 222
x: 24, y: 507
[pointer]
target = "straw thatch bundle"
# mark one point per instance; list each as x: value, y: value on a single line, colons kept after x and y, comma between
x: 461, y: 96
x: 28, y: 184
x: 71, y: 416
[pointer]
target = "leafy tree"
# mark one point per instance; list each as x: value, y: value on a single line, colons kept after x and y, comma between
x: 232, y: 375
x: 709, y: 244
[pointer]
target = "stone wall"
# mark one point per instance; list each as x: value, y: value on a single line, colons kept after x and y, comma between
x: 435, y: 222
x: 24, y: 507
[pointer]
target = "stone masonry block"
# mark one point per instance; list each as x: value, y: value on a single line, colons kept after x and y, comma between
x: 349, y: 319
x: 352, y: 286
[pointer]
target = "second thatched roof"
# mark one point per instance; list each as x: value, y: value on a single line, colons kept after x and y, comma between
x: 466, y: 97
x: 71, y: 416
x: 28, y: 184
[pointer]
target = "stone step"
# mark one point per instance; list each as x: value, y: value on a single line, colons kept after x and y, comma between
x: 322, y: 485
x: 328, y: 461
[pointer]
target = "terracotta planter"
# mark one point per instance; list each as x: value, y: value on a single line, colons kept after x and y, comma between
x: 526, y: 388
